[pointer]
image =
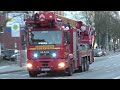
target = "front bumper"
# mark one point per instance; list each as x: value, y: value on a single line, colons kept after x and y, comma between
x: 47, y: 65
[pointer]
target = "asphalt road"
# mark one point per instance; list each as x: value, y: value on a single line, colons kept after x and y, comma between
x: 106, y: 67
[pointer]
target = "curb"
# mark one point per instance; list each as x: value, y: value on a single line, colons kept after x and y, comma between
x: 10, y: 71
x: 107, y: 56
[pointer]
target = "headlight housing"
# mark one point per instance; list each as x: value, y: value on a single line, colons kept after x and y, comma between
x: 61, y: 64
x: 35, y: 54
x: 13, y: 56
x: 99, y: 52
x: 53, y: 54
x: 29, y: 65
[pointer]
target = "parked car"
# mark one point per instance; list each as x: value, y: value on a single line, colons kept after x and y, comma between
x: 1, y: 56
x: 98, y: 52
x: 15, y: 56
x: 104, y: 52
x: 10, y: 54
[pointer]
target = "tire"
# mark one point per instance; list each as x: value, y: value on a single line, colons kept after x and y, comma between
x: 70, y: 71
x: 4, y: 58
x: 32, y: 74
x: 12, y: 59
x: 83, y: 65
x: 81, y: 68
x: 86, y: 64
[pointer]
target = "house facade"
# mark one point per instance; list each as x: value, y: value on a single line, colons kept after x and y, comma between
x: 6, y: 40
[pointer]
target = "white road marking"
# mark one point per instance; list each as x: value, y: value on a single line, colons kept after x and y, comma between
x: 58, y: 78
x: 2, y: 67
x: 96, y: 69
x: 4, y: 74
x: 107, y: 65
x: 117, y: 77
x: 4, y: 78
x: 25, y: 75
x: 108, y: 71
x: 114, y: 56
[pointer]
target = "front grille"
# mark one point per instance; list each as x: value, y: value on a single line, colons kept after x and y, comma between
x: 47, y: 53
x: 44, y: 54
x: 45, y: 64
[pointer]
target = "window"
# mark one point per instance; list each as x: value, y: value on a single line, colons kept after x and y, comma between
x: 2, y: 46
x: 83, y: 47
x: 45, y: 37
x: 67, y: 37
x: 1, y: 29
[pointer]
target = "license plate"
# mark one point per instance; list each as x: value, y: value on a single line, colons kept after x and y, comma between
x: 44, y: 52
x: 45, y: 69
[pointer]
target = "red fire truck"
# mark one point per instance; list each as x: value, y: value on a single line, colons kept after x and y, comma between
x: 56, y: 46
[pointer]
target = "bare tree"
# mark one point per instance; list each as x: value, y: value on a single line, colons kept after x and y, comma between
x: 107, y: 26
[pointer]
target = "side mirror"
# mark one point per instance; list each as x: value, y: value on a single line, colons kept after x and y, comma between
x: 65, y: 43
x: 23, y: 43
x: 68, y: 42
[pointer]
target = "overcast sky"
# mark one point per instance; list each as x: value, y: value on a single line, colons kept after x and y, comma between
x: 75, y: 15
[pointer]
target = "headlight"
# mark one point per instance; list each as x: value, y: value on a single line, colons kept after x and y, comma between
x: 35, y: 55
x: 29, y: 65
x: 99, y: 53
x: 61, y: 64
x: 54, y: 54
x: 13, y: 55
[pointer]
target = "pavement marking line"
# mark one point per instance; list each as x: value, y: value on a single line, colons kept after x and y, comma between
x: 2, y: 67
x: 4, y: 74
x: 25, y: 75
x: 57, y: 78
x: 107, y: 65
x: 114, y: 56
x: 4, y: 78
x: 61, y: 78
x: 117, y: 77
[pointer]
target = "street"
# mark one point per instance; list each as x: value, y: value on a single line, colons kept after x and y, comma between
x: 105, y: 67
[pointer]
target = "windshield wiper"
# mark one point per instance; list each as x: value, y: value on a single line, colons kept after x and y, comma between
x: 39, y: 40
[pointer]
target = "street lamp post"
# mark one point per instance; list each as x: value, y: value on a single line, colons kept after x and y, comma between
x: 107, y: 43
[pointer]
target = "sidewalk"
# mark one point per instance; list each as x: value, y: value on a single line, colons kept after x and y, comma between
x: 11, y: 68
x: 109, y: 53
x: 112, y: 52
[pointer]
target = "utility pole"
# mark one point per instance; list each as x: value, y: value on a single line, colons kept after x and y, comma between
x: 0, y: 49
x: 107, y: 43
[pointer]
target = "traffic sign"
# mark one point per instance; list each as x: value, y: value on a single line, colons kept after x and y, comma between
x: 9, y: 23
x: 15, y: 30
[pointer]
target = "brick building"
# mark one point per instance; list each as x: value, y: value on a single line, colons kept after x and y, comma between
x: 59, y: 12
x: 6, y: 41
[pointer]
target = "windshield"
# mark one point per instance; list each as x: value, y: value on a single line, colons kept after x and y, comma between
x: 9, y: 52
x: 45, y: 37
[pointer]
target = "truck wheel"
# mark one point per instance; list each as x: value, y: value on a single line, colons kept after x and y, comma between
x: 83, y: 65
x: 4, y: 58
x: 32, y: 74
x: 81, y: 68
x: 86, y: 65
x: 12, y: 59
x: 69, y: 71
